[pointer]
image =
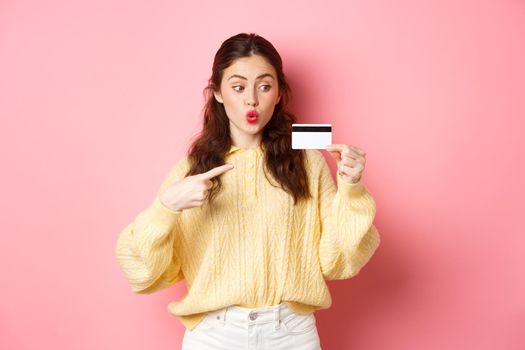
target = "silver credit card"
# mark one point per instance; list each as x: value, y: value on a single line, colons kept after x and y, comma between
x: 311, y: 136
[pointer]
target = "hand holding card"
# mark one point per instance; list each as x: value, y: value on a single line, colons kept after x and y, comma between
x: 350, y: 161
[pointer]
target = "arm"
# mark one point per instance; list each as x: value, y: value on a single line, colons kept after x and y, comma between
x: 145, y: 248
x: 348, y: 236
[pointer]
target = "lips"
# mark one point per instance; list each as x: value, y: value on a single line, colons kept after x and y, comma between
x: 251, y: 116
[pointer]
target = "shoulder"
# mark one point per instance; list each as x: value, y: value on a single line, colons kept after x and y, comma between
x: 179, y: 168
x: 176, y: 172
x: 313, y: 154
x: 315, y: 159
x: 316, y: 165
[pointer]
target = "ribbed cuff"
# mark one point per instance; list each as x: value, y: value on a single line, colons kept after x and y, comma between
x: 164, y: 213
x: 348, y: 189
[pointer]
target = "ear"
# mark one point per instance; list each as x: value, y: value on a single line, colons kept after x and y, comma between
x: 218, y: 96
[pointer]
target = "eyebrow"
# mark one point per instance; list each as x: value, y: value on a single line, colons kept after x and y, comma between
x: 259, y: 77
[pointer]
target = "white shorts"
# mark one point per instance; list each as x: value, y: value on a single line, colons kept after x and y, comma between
x: 274, y: 327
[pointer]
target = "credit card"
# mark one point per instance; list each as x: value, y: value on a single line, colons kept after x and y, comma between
x: 311, y: 136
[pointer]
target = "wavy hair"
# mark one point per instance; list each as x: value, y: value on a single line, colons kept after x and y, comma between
x: 209, y: 149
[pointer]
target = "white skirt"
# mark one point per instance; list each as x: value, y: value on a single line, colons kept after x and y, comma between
x: 274, y: 327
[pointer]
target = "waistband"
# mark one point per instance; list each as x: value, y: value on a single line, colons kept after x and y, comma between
x: 247, y: 316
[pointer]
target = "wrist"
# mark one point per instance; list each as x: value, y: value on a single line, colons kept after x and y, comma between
x: 167, y: 206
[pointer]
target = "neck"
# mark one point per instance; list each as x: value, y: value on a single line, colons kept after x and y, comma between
x: 246, y: 141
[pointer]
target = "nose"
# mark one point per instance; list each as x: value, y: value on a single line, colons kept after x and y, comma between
x: 251, y: 97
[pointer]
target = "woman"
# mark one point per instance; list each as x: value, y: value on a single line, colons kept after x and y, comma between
x: 254, y: 227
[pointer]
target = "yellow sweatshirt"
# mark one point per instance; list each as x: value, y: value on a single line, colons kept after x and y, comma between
x: 252, y: 247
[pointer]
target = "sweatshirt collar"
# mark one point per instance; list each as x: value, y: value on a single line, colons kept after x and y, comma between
x: 233, y: 149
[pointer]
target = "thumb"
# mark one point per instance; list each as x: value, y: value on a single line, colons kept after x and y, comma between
x: 335, y: 154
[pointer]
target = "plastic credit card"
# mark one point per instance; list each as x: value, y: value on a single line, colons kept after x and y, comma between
x: 311, y: 136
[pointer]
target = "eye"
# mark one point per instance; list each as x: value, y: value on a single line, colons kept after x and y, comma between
x: 267, y: 86
x: 237, y: 86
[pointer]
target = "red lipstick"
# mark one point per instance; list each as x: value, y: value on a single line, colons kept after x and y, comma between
x: 251, y: 116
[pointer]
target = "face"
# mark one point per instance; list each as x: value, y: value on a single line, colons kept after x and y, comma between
x: 249, y: 83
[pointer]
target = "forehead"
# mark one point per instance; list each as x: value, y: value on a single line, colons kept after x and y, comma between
x: 250, y: 67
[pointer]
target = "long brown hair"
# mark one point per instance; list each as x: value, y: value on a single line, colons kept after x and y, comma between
x: 213, y: 142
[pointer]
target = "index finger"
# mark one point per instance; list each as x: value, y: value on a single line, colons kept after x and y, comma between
x: 217, y: 171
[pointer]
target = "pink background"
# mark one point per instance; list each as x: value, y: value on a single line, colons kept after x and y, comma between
x: 99, y: 98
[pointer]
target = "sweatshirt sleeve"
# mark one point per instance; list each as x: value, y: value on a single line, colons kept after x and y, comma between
x: 348, y: 235
x: 145, y: 248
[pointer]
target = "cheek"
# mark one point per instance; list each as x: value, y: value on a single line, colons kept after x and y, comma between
x: 273, y: 96
x: 230, y: 101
